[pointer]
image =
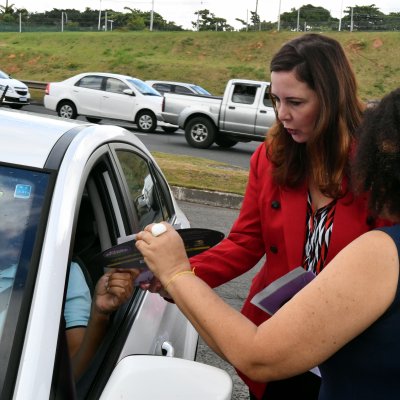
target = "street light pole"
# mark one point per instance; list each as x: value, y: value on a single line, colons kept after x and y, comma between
x: 340, y: 19
x: 98, y: 28
x: 152, y: 15
x: 279, y: 16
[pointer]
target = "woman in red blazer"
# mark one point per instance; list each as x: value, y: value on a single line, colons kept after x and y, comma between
x: 297, y: 209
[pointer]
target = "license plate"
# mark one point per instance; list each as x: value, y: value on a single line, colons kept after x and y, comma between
x: 24, y: 99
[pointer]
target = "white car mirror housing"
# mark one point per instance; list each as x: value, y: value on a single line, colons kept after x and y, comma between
x: 129, y: 92
x: 149, y: 377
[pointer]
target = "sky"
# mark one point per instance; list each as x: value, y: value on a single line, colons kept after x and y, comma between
x: 182, y: 12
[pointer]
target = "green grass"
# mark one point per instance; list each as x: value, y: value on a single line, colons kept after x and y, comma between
x: 207, y: 58
x: 199, y: 173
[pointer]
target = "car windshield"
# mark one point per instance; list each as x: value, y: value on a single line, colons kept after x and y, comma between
x: 3, y: 75
x: 200, y: 90
x: 21, y: 203
x: 143, y: 88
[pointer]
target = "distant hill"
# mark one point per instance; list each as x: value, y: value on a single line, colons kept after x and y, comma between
x: 206, y: 58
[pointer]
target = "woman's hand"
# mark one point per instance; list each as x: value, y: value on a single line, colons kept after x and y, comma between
x: 165, y: 254
x: 113, y: 289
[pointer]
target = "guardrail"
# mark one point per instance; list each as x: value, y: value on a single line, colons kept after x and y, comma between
x: 35, y: 85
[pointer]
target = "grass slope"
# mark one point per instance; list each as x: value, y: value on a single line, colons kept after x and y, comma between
x: 207, y: 58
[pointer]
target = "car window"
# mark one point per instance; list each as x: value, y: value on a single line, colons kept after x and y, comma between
x: 115, y: 85
x: 244, y: 94
x: 162, y: 87
x: 90, y: 82
x: 3, y: 75
x: 146, y: 198
x: 22, y: 199
x: 143, y: 87
x: 200, y: 90
x: 267, y: 98
x: 182, y: 90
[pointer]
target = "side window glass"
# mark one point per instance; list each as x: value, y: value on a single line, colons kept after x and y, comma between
x: 267, y: 98
x: 182, y: 90
x: 144, y: 191
x: 162, y: 88
x: 115, y: 86
x: 244, y: 94
x: 90, y: 82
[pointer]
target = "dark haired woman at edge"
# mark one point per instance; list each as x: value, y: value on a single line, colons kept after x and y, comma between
x: 297, y: 209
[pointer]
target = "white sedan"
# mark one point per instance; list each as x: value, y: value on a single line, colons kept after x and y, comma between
x: 13, y: 92
x: 68, y: 191
x: 99, y: 95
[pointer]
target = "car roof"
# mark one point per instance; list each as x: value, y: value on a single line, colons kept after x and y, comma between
x: 29, y: 140
x: 173, y: 83
x: 108, y: 74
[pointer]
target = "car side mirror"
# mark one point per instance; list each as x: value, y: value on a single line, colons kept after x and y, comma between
x: 149, y: 377
x: 129, y: 92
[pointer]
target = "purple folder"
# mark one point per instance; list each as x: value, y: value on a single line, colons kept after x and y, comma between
x: 277, y: 293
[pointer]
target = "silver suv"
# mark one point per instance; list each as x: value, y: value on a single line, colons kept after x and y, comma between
x: 17, y: 93
x: 178, y: 87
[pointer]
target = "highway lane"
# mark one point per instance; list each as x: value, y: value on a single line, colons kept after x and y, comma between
x: 175, y: 143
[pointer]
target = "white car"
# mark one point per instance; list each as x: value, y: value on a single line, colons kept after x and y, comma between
x: 13, y: 92
x: 98, y: 95
x: 178, y: 87
x: 68, y: 191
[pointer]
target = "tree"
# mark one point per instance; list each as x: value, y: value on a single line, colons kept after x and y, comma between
x: 364, y: 18
x: 207, y: 21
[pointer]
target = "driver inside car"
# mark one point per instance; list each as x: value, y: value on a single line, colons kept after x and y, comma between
x: 87, y: 319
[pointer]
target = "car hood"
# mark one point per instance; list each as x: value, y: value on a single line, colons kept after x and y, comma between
x: 13, y: 83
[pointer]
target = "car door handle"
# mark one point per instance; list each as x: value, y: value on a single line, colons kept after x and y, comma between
x: 232, y: 108
x: 167, y: 349
x: 263, y: 111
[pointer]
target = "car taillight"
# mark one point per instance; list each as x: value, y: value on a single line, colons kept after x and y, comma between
x: 47, y: 91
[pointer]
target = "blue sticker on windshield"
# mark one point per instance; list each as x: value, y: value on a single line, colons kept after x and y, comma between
x: 22, y: 191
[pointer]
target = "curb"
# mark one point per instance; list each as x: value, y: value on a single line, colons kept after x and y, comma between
x: 207, y: 197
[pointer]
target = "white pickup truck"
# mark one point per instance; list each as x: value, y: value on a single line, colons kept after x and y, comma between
x: 243, y: 114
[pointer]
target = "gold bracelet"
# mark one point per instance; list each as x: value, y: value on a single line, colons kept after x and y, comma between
x: 176, y: 276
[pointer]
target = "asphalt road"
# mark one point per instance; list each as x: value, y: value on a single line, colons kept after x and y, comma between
x: 233, y: 292
x: 175, y: 143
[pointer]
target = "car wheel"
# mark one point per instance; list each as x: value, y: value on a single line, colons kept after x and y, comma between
x: 225, y: 142
x: 67, y: 109
x: 146, y: 121
x: 200, y: 133
x: 16, y: 106
x: 169, y: 129
x: 93, y: 120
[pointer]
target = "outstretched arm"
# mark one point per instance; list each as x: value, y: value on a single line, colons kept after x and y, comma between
x: 113, y: 289
x: 347, y: 297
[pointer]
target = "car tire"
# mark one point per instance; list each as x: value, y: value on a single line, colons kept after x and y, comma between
x: 169, y: 129
x: 66, y: 109
x: 225, y: 142
x: 16, y: 106
x: 93, y: 120
x: 200, y: 133
x: 146, y: 121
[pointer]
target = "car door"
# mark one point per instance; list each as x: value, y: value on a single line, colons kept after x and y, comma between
x: 87, y: 95
x: 240, y: 109
x: 123, y: 193
x: 115, y: 103
x: 265, y: 116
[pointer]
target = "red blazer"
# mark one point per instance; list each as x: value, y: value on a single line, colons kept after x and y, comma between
x: 272, y: 222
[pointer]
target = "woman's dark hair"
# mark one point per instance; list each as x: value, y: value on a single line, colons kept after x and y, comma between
x: 321, y: 63
x: 376, y: 167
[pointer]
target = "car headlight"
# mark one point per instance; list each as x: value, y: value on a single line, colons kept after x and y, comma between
x: 9, y: 90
